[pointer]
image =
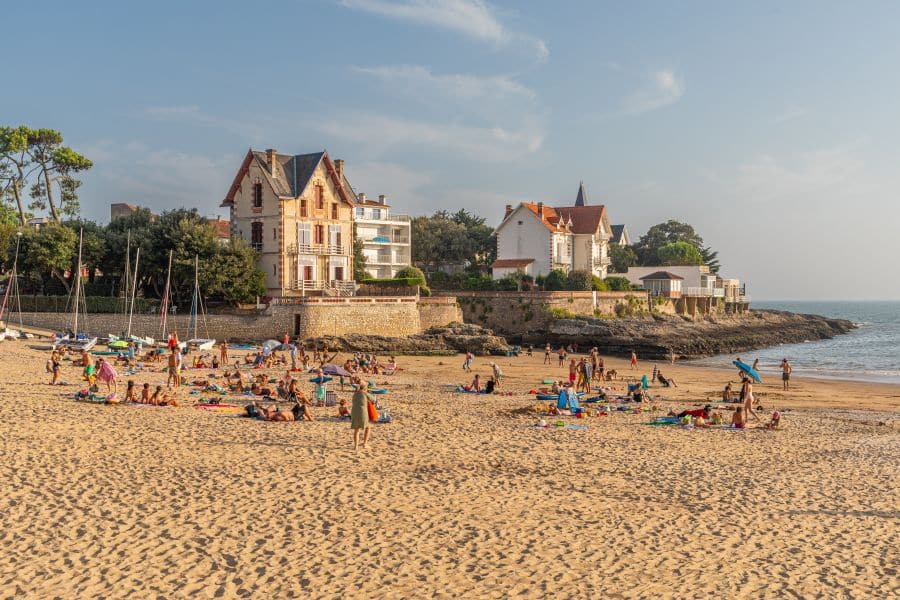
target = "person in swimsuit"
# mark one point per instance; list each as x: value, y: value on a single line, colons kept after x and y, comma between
x: 786, y: 370
x: 129, y: 392
x: 54, y: 368
x: 747, y: 399
x: 737, y: 420
x: 633, y: 360
x: 547, y: 354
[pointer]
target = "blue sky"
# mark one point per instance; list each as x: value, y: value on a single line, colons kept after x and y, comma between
x: 771, y: 127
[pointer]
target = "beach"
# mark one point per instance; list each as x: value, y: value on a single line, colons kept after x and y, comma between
x: 460, y: 496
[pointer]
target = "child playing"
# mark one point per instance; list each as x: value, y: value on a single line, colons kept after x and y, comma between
x: 343, y: 411
x: 776, y: 419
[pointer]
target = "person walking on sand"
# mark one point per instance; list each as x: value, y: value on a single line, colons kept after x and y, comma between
x: 747, y: 399
x: 547, y: 360
x: 633, y: 361
x: 108, y: 375
x: 467, y: 364
x: 174, y: 371
x: 223, y: 353
x: 786, y: 370
x: 359, y: 414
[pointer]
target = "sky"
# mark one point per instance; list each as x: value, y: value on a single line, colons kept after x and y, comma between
x: 771, y: 127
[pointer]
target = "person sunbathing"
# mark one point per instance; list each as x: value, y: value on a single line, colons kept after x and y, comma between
x: 666, y: 381
x: 553, y: 410
x: 737, y: 420
x: 727, y: 395
x: 300, y: 411
x: 252, y: 410
x: 697, y: 412
x: 475, y: 386
x: 275, y: 414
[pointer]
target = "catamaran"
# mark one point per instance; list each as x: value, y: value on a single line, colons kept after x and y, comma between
x: 12, y: 286
x: 77, y: 341
x: 116, y: 342
x: 197, y: 308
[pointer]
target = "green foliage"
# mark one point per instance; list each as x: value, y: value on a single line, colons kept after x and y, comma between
x: 618, y: 284
x: 235, y: 276
x: 359, y: 259
x: 679, y: 254
x: 561, y: 313
x: 672, y: 232
x: 445, y: 239
x: 47, y: 253
x: 622, y: 257
x: 579, y: 281
x: 555, y: 280
x: 598, y: 285
x: 56, y: 166
x: 481, y: 281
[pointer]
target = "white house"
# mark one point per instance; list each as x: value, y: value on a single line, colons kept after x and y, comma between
x: 385, y: 237
x: 697, y: 280
x: 663, y: 283
x: 536, y: 239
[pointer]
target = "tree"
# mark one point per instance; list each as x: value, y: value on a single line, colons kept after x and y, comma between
x: 236, y: 277
x: 56, y: 165
x: 187, y: 235
x: 662, y: 234
x: 579, y: 281
x: 93, y: 248
x: 622, y: 257
x: 679, y: 254
x: 50, y: 252
x: 14, y: 166
x: 445, y: 239
x: 359, y: 259
x: 555, y: 280
x: 618, y: 284
x: 139, y: 225
x: 710, y: 259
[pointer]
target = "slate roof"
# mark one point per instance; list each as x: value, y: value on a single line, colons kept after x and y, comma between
x: 617, y: 231
x: 662, y: 275
x: 291, y: 173
x: 581, y: 198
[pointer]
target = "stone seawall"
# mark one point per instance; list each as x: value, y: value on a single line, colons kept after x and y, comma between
x: 309, y: 318
x: 519, y: 313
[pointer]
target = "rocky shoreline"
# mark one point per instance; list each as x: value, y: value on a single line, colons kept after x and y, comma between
x: 652, y: 337
x: 658, y: 336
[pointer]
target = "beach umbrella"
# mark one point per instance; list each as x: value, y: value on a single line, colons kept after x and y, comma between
x: 753, y: 373
x: 335, y: 370
x: 271, y: 344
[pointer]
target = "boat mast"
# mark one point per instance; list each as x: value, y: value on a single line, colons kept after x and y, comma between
x: 137, y: 260
x: 78, y: 283
x: 13, y: 280
x: 127, y: 276
x: 165, y: 302
x: 196, y: 299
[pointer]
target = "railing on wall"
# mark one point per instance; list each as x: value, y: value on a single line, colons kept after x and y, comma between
x: 330, y: 249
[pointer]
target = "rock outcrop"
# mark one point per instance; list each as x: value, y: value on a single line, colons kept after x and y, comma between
x: 658, y: 336
x: 437, y: 340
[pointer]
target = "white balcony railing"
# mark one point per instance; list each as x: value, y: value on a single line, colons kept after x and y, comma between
x: 311, y: 285
x: 704, y: 292
x: 601, y: 261
x: 329, y: 249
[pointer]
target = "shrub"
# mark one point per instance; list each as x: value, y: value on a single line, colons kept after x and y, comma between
x: 579, y: 281
x: 598, y: 285
x: 618, y: 284
x: 555, y: 280
x: 561, y: 313
x: 411, y: 272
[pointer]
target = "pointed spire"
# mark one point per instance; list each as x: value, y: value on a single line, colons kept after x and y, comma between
x: 581, y: 198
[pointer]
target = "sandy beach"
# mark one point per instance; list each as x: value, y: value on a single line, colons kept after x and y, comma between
x: 459, y: 497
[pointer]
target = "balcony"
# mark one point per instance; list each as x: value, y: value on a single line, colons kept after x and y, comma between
x: 386, y: 239
x: 325, y: 249
x: 704, y: 292
x: 601, y: 261
x: 312, y: 285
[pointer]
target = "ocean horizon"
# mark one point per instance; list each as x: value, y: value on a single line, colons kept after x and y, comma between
x: 869, y: 353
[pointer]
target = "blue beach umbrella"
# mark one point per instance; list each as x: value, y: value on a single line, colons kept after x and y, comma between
x: 753, y: 373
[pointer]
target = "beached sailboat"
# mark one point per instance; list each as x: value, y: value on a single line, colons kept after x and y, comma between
x: 116, y: 342
x: 75, y: 341
x: 197, y: 310
x: 12, y: 288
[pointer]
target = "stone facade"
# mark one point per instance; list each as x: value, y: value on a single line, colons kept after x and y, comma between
x: 438, y: 312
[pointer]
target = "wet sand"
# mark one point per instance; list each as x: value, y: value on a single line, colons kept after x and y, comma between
x: 458, y: 497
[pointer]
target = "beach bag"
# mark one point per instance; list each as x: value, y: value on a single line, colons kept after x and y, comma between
x: 373, y: 412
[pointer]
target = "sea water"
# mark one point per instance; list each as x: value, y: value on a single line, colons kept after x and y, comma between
x: 871, y: 352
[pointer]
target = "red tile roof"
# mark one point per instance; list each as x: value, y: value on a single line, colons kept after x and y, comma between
x: 550, y: 220
x: 585, y: 219
x: 222, y: 227
x: 501, y: 263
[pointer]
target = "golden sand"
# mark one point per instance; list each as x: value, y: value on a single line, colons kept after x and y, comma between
x: 458, y: 497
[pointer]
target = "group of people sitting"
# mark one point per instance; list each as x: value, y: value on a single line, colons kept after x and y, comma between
x: 158, y: 397
x: 369, y: 364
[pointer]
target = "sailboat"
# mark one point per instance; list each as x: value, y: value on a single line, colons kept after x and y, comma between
x: 77, y: 341
x: 13, y: 284
x: 115, y: 341
x: 197, y: 307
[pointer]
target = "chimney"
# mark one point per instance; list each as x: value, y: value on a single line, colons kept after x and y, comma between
x: 508, y: 210
x: 361, y: 197
x: 339, y: 167
x: 270, y: 160
x: 382, y: 199
x: 540, y: 210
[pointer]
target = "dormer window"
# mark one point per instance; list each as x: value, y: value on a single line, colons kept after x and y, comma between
x: 257, y: 195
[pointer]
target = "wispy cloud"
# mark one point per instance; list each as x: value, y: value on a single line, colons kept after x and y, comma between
x: 472, y: 18
x: 382, y: 133
x: 414, y: 78
x: 664, y: 87
x: 251, y: 128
